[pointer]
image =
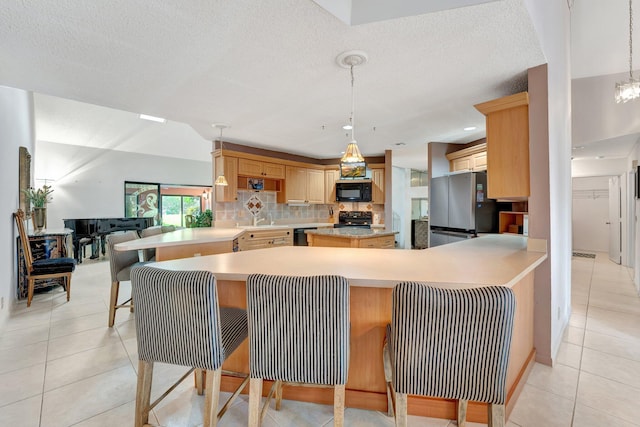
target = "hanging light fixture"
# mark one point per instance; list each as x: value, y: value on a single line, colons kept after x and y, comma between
x: 349, y: 60
x: 221, y: 180
x: 627, y: 91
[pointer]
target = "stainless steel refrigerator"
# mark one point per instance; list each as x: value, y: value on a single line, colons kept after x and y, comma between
x: 459, y: 209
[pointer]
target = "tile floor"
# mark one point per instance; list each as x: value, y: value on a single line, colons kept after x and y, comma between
x: 61, y: 366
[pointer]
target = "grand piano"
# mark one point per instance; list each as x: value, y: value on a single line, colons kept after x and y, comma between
x: 94, y: 230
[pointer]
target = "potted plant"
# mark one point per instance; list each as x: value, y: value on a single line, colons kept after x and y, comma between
x: 38, y: 199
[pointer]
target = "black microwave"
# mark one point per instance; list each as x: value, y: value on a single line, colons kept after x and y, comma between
x: 353, y: 191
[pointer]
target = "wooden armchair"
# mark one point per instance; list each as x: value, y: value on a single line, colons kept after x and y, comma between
x: 42, y: 268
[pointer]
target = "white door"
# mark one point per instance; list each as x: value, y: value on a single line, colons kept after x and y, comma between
x: 615, y: 223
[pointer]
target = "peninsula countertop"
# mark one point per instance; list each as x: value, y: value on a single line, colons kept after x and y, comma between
x: 182, y: 236
x: 496, y: 259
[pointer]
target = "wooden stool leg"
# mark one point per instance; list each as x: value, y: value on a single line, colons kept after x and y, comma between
x: 278, y: 395
x: 115, y: 287
x: 338, y: 405
x: 496, y: 415
x: 200, y: 377
x: 462, y: 412
x: 212, y: 397
x: 401, y: 410
x: 30, y: 285
x: 143, y: 392
x: 255, y: 396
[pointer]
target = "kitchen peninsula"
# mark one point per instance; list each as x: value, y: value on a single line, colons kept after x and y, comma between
x: 503, y: 260
x: 186, y: 242
x: 349, y: 237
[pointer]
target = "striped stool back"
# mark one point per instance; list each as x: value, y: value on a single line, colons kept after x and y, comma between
x: 178, y: 321
x: 298, y: 329
x: 451, y: 343
x: 120, y: 264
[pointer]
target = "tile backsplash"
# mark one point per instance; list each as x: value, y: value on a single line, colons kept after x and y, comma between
x: 241, y: 210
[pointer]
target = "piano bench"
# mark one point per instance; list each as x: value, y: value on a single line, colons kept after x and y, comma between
x: 83, y: 242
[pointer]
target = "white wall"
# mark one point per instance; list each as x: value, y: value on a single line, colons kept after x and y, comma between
x: 551, y: 19
x: 16, y: 129
x: 633, y: 161
x: 401, y: 178
x: 598, y: 167
x: 89, y: 182
x: 591, y: 214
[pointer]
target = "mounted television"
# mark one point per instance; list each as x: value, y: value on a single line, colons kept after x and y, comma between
x: 353, y: 170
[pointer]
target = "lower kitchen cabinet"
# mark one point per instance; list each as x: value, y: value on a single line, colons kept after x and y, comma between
x: 262, y: 239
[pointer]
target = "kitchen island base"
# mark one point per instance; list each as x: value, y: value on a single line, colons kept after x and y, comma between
x: 366, y: 388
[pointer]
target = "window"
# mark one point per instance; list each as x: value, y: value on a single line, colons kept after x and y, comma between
x: 167, y: 204
x: 174, y: 209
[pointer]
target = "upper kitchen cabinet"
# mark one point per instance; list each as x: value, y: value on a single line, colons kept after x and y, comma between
x: 229, y: 166
x: 377, y: 190
x: 330, y: 178
x: 304, y: 185
x: 256, y: 168
x: 472, y: 159
x: 507, y: 122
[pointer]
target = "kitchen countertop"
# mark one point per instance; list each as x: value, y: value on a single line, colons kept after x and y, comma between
x: 495, y: 259
x: 352, y: 233
x: 183, y: 236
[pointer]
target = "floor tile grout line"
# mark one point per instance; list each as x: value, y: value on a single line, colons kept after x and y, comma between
x: 100, y: 413
x: 44, y: 374
x: 575, y: 397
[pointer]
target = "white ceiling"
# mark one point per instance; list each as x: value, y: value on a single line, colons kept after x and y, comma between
x: 267, y: 68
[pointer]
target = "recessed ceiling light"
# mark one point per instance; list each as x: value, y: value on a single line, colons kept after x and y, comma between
x: 152, y: 118
x: 347, y: 127
x: 470, y: 128
x: 578, y: 147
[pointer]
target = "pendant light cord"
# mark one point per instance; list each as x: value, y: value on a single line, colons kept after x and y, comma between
x: 630, y: 41
x: 353, y: 107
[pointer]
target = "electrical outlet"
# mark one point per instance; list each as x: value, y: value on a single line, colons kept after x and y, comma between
x: 558, y: 313
x: 1, y: 303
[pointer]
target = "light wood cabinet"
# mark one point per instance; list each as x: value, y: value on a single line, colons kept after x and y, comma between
x: 335, y: 241
x: 377, y: 187
x: 507, y: 122
x: 330, y: 178
x: 513, y: 222
x: 262, y: 239
x: 255, y: 168
x: 228, y: 165
x: 469, y: 159
x: 304, y: 185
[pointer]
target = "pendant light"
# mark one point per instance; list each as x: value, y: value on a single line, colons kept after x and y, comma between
x: 221, y: 180
x: 627, y: 91
x: 350, y: 60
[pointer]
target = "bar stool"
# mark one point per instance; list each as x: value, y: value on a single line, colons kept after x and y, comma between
x: 298, y: 333
x: 449, y: 343
x: 178, y: 321
x: 150, y: 254
x: 120, y: 263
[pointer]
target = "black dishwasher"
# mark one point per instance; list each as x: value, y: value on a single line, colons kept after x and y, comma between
x: 299, y: 236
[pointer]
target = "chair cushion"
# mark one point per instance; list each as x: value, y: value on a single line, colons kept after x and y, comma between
x: 54, y: 265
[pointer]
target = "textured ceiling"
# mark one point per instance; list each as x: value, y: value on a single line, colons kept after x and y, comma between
x: 267, y: 68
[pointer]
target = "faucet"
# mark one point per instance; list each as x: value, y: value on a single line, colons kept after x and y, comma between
x: 271, y: 222
x: 257, y: 221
